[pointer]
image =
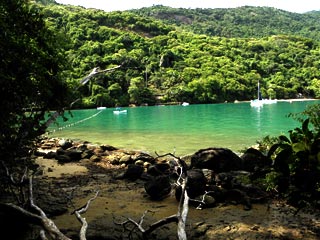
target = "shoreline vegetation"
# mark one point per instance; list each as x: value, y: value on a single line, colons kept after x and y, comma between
x: 121, y: 198
x: 235, y: 101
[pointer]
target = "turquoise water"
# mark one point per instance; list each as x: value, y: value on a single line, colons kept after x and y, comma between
x: 181, y: 129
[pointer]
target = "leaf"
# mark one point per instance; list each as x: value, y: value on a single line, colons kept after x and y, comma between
x: 273, y: 148
x: 305, y: 127
x: 283, y: 138
x: 299, y: 147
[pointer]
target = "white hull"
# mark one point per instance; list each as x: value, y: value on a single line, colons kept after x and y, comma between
x: 260, y: 103
x: 120, y: 111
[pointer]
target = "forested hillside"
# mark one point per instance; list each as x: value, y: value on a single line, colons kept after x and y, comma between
x: 198, y: 56
x: 242, y: 22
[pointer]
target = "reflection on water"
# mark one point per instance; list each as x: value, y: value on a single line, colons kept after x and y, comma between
x: 183, y: 129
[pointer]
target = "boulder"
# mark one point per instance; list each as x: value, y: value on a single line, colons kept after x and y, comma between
x: 63, y: 158
x: 253, y: 160
x: 196, y: 184
x: 158, y: 169
x: 108, y: 148
x: 158, y: 187
x: 65, y: 144
x: 126, y: 159
x: 144, y: 157
x: 75, y: 155
x: 216, y: 159
x: 133, y: 172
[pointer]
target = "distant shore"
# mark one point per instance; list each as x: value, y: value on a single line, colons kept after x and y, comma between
x: 297, y: 100
x: 287, y: 100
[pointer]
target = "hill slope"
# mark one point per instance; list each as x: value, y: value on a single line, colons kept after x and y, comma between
x: 170, y: 62
x: 238, y: 22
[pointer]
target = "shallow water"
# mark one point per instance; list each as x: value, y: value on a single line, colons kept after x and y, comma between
x: 181, y: 129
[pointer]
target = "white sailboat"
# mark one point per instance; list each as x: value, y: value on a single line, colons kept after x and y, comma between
x: 259, y: 102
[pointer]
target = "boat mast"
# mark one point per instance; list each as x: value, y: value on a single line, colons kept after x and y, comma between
x: 259, y: 93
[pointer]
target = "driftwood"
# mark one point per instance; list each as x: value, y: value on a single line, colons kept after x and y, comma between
x: 41, y: 219
x: 81, y: 219
x: 180, y: 218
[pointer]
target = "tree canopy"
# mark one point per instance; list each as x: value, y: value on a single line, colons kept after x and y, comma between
x: 169, y: 55
x: 31, y: 80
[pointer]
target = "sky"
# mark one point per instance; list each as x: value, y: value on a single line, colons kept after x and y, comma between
x: 298, y: 6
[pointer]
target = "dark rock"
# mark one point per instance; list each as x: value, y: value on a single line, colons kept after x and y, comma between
x: 75, y: 155
x: 196, y: 184
x: 216, y: 159
x: 204, y: 201
x: 39, y: 154
x: 217, y: 193
x: 108, y: 148
x: 158, y: 169
x: 225, y: 180
x: 158, y: 187
x: 126, y: 159
x: 144, y: 157
x: 95, y: 158
x: 256, y: 194
x: 237, y: 196
x: 87, y: 153
x: 253, y: 159
x: 63, y: 158
x: 60, y: 151
x: 133, y: 172
x: 65, y: 144
x: 50, y: 155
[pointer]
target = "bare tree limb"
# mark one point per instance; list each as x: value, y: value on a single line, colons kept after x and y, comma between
x: 41, y: 219
x: 183, y: 211
x: 180, y: 218
x: 83, y: 81
x: 161, y: 222
x: 82, y: 220
x: 95, y: 72
x: 48, y: 225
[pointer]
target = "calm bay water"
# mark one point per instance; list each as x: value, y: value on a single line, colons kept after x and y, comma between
x: 182, y: 129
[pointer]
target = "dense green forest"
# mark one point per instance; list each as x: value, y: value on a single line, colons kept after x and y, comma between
x: 239, y: 22
x: 195, y: 55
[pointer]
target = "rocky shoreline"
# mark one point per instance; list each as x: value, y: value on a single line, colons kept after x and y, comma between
x: 129, y: 181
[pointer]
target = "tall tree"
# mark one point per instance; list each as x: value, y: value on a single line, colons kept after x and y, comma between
x: 31, y: 84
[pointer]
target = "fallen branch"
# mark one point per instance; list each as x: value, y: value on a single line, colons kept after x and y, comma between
x: 81, y: 219
x: 180, y: 218
x: 48, y: 225
x: 183, y: 211
x: 41, y: 219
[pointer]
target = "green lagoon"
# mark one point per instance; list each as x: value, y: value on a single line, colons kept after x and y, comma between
x: 181, y: 129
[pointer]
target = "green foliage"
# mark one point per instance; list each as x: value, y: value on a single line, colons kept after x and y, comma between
x: 192, y: 55
x: 31, y: 83
x: 296, y: 163
x: 241, y: 22
x: 312, y: 112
